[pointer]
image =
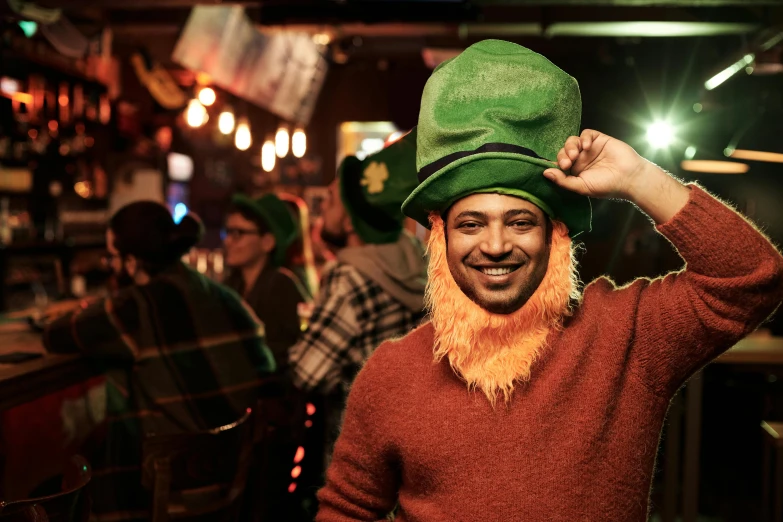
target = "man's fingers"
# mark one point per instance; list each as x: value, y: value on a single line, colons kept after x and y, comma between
x: 588, y: 137
x: 563, y: 161
x: 573, y: 147
x: 560, y: 178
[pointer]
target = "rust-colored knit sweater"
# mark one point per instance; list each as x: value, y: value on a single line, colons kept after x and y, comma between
x: 578, y: 442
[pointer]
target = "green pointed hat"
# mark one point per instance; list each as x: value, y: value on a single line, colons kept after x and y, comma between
x: 373, y: 189
x: 272, y: 212
x: 492, y: 120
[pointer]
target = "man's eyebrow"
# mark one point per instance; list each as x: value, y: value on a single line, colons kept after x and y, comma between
x: 517, y: 212
x: 471, y: 213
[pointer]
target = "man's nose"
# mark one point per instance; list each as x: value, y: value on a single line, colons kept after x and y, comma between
x: 496, y: 242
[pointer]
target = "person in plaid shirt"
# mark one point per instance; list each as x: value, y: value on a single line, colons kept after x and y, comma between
x: 374, y: 291
x: 181, y: 352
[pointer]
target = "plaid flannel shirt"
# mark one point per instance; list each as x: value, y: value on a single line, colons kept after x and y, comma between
x: 181, y: 353
x: 352, y: 316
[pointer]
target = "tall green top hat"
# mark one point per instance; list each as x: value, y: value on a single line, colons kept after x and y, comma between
x: 492, y: 120
x: 372, y: 190
x: 272, y: 212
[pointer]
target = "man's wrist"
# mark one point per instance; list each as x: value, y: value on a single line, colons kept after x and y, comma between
x: 657, y: 193
x: 647, y: 179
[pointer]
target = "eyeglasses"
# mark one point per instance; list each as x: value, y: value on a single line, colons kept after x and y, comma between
x: 237, y: 233
x: 108, y: 257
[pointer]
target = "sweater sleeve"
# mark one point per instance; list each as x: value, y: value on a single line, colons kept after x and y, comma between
x: 363, y: 479
x: 106, y: 329
x: 732, y: 282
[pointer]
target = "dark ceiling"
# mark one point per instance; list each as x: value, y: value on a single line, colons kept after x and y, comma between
x: 391, y: 27
x: 374, y: 31
x: 170, y: 14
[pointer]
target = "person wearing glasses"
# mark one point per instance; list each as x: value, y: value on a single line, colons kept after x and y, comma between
x: 181, y: 353
x: 256, y: 238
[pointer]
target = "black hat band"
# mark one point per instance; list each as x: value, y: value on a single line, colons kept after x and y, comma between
x: 434, y: 167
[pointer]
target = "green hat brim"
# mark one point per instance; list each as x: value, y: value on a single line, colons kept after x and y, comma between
x: 285, y: 233
x: 361, y: 213
x: 504, y: 173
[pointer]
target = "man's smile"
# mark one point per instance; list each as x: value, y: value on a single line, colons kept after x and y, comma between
x: 496, y: 273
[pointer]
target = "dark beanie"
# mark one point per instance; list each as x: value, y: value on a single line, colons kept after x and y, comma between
x: 146, y: 229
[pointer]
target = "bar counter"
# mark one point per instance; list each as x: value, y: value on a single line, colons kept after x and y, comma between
x: 27, y: 381
x: 49, y: 406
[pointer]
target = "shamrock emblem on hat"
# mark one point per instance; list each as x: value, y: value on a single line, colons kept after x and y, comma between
x: 375, y: 175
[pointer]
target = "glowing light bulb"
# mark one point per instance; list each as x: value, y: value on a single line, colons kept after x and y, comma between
x: 196, y: 114
x: 207, y: 96
x: 299, y: 143
x: 281, y: 142
x: 268, y: 156
x: 660, y: 134
x: 226, y: 122
x: 243, y: 140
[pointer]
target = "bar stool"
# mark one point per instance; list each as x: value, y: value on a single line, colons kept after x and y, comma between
x: 196, y: 475
x: 772, y: 485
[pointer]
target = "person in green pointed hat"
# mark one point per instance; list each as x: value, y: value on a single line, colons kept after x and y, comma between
x: 375, y: 290
x: 525, y: 397
x: 257, y: 235
x: 369, y: 194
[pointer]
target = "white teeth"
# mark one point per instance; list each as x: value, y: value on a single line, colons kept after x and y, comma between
x: 497, y: 271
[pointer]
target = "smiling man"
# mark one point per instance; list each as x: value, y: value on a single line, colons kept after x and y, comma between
x: 525, y: 398
x: 498, y: 275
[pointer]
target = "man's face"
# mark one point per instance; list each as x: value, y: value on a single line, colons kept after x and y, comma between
x: 334, y: 231
x: 497, y: 249
x: 243, y: 243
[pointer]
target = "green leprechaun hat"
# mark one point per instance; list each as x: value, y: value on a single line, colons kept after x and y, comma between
x: 274, y: 213
x: 492, y: 120
x: 373, y: 189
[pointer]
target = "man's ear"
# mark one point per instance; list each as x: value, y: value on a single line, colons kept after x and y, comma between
x: 347, y: 225
x: 268, y: 242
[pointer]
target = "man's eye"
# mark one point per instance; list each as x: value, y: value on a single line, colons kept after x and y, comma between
x: 469, y: 226
x: 522, y: 224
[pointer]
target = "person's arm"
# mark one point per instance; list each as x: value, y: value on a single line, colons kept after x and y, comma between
x: 363, y: 477
x: 316, y: 361
x: 285, y: 295
x: 733, y: 278
x: 103, y: 329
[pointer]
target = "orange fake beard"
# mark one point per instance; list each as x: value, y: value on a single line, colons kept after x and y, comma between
x: 494, y: 352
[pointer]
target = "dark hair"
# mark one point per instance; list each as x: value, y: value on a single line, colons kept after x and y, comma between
x: 146, y: 230
x: 249, y: 215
